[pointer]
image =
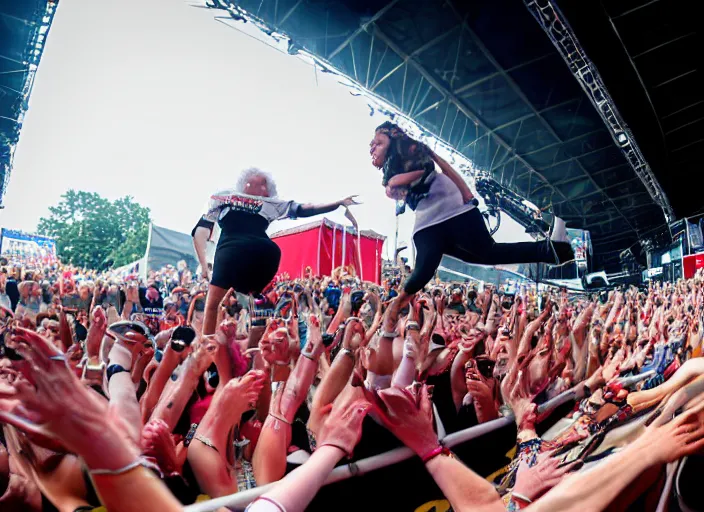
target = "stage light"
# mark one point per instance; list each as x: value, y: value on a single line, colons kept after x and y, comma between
x: 622, y: 138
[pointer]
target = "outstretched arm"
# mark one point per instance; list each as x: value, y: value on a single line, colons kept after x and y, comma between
x: 311, y: 210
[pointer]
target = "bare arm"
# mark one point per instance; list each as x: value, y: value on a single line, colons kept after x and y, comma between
x: 405, y: 179
x: 174, y: 399
x: 524, y: 347
x: 299, y: 487
x: 465, y: 490
x: 457, y: 376
x: 200, y: 241
x: 596, y: 488
x: 158, y: 382
x: 582, y: 322
x: 447, y: 170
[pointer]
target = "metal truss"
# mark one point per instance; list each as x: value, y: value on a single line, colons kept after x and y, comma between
x: 556, y: 27
x: 35, y: 47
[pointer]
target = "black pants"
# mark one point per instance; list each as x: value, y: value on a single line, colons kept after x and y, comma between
x: 467, y: 238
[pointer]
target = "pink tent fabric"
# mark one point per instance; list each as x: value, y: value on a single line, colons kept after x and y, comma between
x: 324, y: 246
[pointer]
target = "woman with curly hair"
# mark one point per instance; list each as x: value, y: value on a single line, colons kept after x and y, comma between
x: 246, y: 259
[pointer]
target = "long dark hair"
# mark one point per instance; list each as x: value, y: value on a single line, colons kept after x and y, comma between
x: 404, y: 153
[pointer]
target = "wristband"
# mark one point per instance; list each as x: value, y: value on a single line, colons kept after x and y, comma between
x: 346, y: 352
x: 125, y: 469
x: 440, y: 450
x: 351, y: 319
x: 520, y: 497
x: 269, y: 500
x: 412, y: 326
x: 114, y: 369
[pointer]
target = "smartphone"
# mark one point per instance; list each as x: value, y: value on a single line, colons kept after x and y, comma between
x: 182, y: 337
x: 357, y: 299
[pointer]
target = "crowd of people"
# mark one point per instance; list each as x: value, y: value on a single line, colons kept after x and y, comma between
x: 147, y: 392
x: 111, y: 394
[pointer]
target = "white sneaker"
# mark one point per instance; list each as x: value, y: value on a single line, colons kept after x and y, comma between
x: 558, y: 232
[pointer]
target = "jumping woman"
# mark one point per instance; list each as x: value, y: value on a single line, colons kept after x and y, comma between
x: 447, y: 218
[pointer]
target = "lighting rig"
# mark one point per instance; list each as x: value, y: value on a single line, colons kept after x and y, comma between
x: 499, y: 198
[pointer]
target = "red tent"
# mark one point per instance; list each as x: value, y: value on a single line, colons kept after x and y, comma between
x: 324, y: 246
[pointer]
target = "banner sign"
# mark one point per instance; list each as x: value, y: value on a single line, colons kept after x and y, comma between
x: 40, y: 250
x: 580, y: 241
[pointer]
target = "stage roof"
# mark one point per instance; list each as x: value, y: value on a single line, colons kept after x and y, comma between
x: 24, y: 26
x: 485, y: 77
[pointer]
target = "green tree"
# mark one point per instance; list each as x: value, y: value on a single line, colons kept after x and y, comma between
x: 94, y: 232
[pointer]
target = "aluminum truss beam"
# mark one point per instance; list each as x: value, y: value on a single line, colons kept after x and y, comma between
x: 554, y: 24
x: 461, y: 106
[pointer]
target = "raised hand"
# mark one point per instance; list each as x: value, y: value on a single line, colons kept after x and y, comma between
x: 350, y: 201
x: 354, y: 336
x: 54, y: 404
x: 681, y: 437
x: 516, y: 394
x: 408, y: 414
x: 240, y: 395
x: 274, y: 345
x: 546, y: 473
x: 342, y: 425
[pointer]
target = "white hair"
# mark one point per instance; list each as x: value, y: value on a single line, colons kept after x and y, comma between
x: 248, y: 174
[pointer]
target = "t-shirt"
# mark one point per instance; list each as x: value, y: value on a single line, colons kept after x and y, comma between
x: 225, y: 201
x: 443, y: 201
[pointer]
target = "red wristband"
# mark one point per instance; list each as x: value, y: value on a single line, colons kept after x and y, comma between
x: 440, y: 450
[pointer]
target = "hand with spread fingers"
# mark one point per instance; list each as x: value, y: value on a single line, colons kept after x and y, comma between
x: 408, y: 414
x: 274, y: 346
x: 343, y: 418
x: 53, y: 403
x: 534, y: 481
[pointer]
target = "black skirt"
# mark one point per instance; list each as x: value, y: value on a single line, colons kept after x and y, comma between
x: 245, y: 263
x: 246, y: 259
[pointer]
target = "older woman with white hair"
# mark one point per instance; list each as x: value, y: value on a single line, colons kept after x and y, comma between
x: 246, y: 259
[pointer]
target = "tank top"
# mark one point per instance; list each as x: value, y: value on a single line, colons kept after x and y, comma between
x: 443, y: 201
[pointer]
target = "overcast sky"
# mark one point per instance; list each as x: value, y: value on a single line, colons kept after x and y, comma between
x: 159, y: 101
